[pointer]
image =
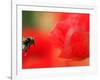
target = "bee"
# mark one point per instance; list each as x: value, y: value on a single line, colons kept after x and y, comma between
x: 27, y: 42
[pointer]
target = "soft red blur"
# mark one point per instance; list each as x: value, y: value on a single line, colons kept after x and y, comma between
x: 67, y: 44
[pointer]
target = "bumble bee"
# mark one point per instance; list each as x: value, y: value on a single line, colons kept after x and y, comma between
x: 27, y: 42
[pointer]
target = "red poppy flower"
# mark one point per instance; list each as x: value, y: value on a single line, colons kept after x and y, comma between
x: 72, y: 36
x: 69, y: 39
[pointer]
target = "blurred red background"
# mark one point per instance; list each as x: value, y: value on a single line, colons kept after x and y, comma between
x: 62, y: 39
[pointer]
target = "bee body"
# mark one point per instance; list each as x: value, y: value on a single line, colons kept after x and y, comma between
x: 26, y: 43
